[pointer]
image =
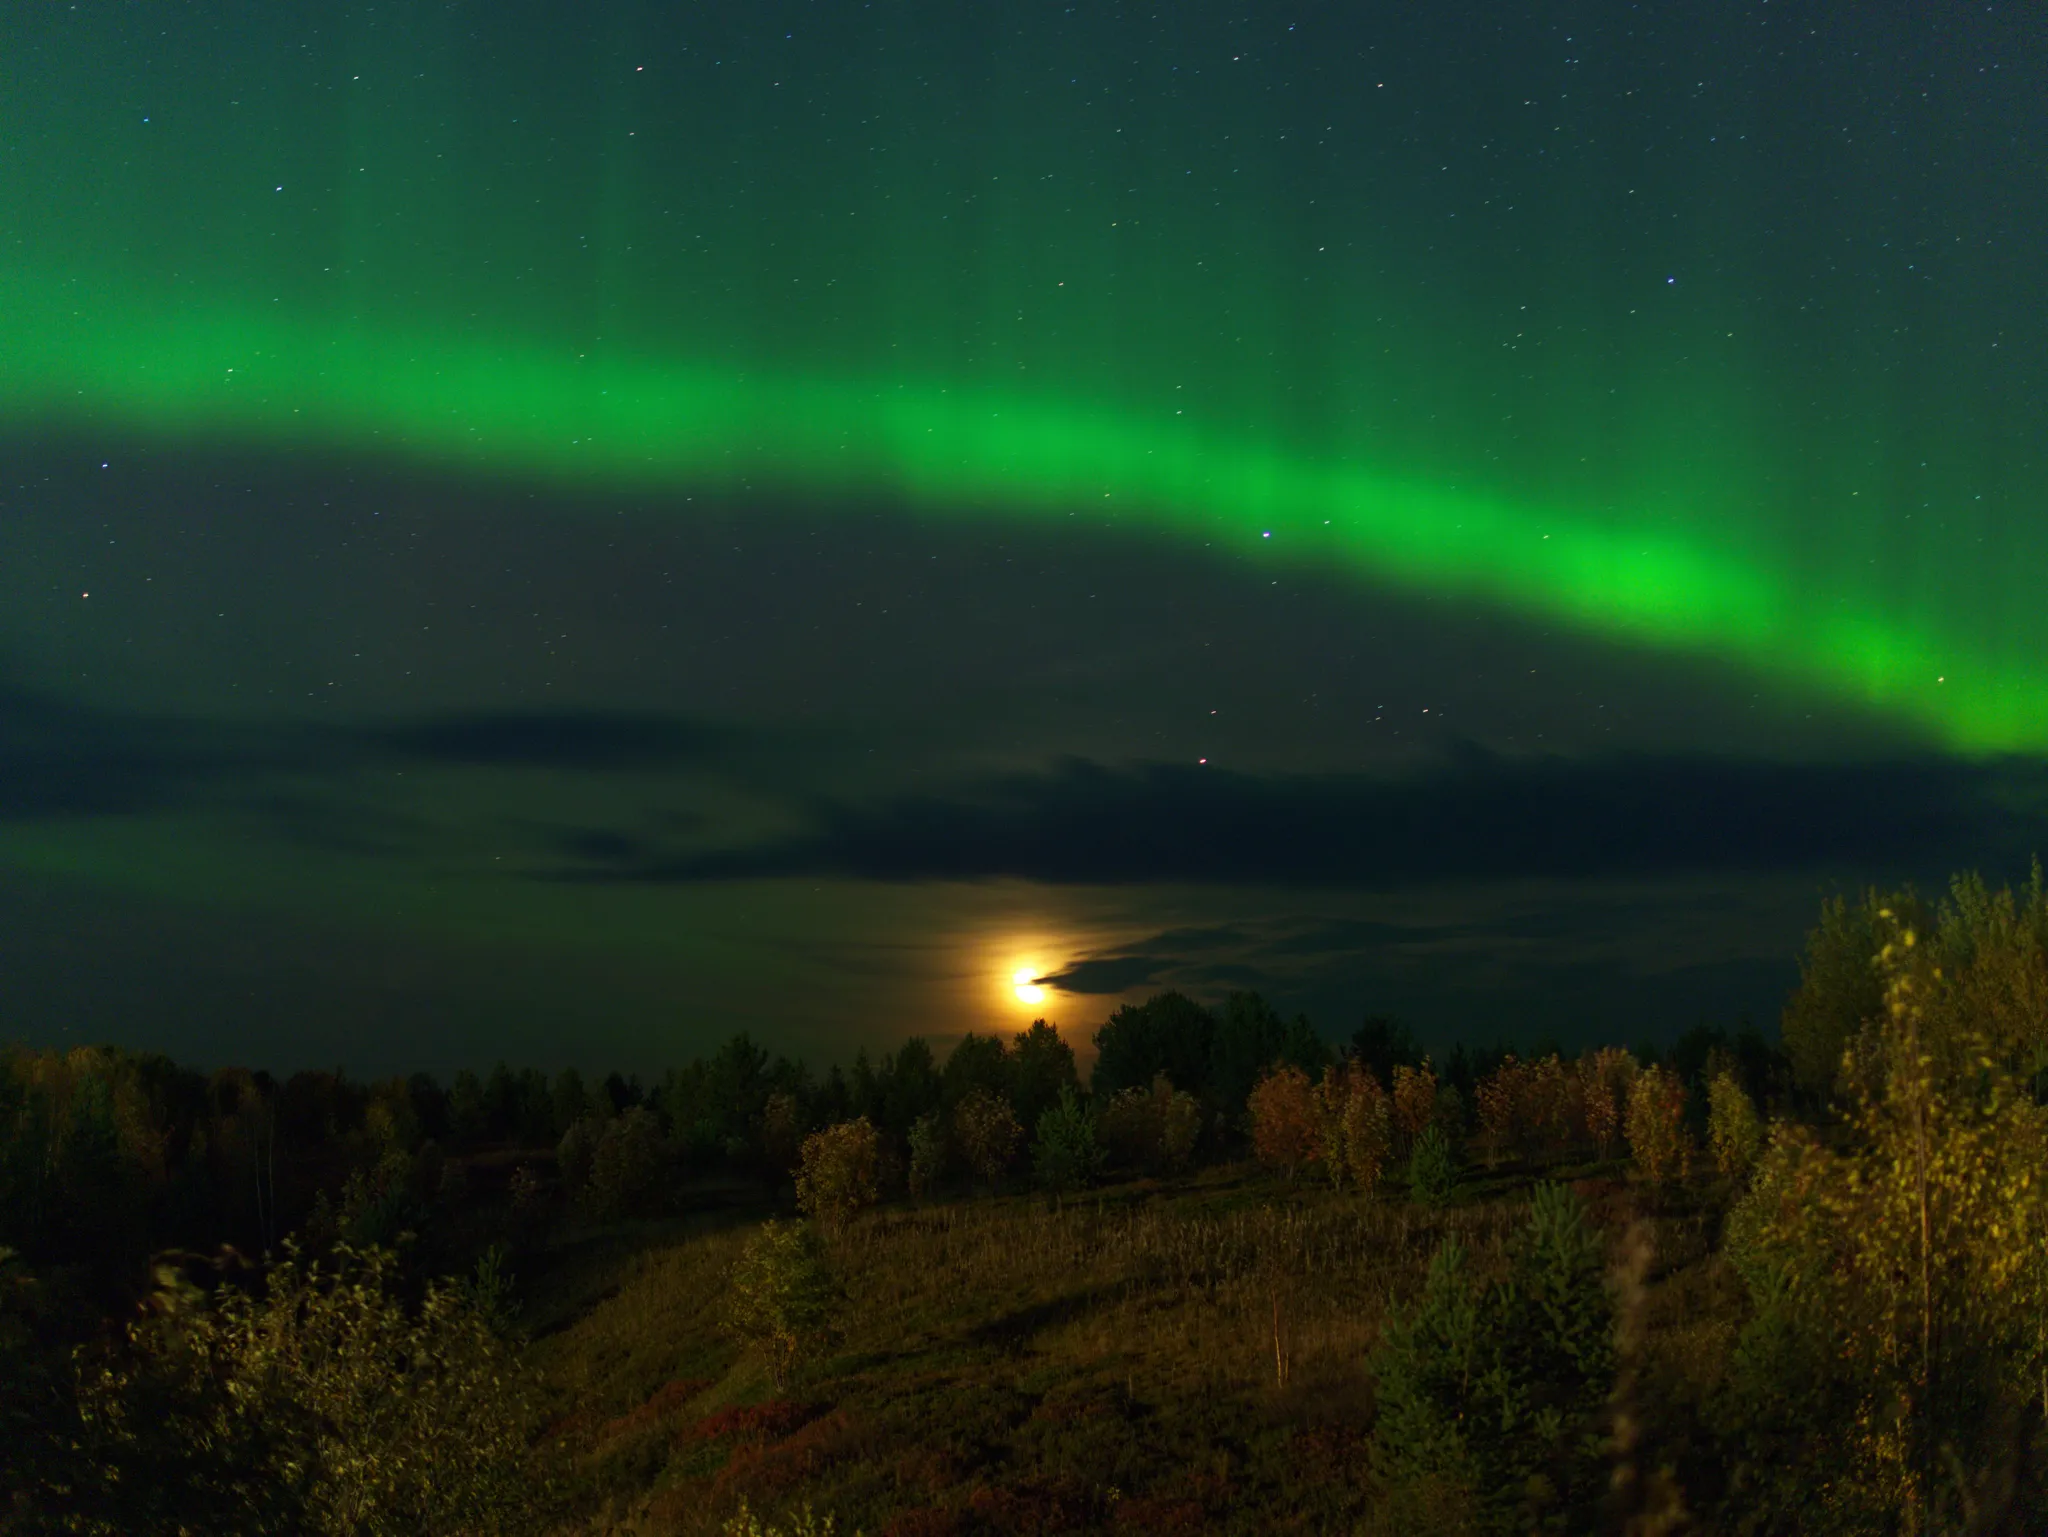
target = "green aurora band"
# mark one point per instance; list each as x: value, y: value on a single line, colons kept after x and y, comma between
x: 500, y: 410
x: 1089, y: 273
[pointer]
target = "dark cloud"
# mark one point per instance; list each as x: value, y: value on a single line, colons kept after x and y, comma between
x: 571, y: 740
x: 1476, y: 815
x: 1108, y: 975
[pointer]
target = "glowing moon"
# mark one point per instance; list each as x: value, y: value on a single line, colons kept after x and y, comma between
x: 1028, y: 991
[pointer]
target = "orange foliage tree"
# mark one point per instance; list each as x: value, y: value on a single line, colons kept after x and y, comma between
x: 1414, y: 1103
x: 1656, y: 1125
x: 1604, y: 1079
x: 988, y: 1133
x: 837, y: 1174
x: 1283, y: 1118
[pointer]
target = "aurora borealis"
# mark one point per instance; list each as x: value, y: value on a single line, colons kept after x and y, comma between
x: 1695, y: 350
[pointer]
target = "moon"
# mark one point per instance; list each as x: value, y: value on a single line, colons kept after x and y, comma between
x: 1028, y: 991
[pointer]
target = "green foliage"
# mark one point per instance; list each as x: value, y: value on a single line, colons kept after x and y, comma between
x: 318, y: 1403
x: 1169, y: 1033
x: 1491, y: 1396
x: 837, y: 1177
x: 1433, y: 1168
x: 780, y: 1298
x: 1251, y: 1038
x: 1153, y: 1129
x: 1839, y: 988
x: 1041, y: 1069
x: 1900, y: 1281
x: 1064, y: 1155
x: 626, y: 1166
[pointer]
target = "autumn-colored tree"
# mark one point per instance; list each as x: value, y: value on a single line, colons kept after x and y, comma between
x: 1365, y: 1129
x: 1893, y: 1377
x: 1552, y: 1112
x: 1734, y: 1132
x: 1328, y: 1099
x: 1282, y: 1111
x: 1604, y: 1079
x: 837, y: 1175
x: 1656, y: 1125
x: 1414, y: 1103
x: 1498, y: 1098
x: 988, y: 1132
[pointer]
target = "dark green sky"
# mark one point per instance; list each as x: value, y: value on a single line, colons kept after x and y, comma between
x: 563, y: 530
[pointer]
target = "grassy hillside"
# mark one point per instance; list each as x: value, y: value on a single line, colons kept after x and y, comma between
x: 1186, y: 1356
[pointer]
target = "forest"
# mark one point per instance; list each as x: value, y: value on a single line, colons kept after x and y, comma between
x: 1243, y: 1279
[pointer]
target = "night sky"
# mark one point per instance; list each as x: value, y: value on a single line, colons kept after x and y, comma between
x: 560, y: 531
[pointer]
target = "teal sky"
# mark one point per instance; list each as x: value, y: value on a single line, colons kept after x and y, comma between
x: 1490, y: 416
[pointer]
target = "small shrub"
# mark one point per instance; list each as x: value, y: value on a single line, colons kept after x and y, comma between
x: 836, y: 1178
x: 1283, y: 1119
x: 779, y: 1297
x: 1733, y: 1130
x: 1433, y: 1168
x: 1154, y: 1129
x: 1656, y: 1125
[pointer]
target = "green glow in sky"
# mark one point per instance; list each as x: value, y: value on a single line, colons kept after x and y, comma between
x: 1670, y: 336
x: 509, y: 410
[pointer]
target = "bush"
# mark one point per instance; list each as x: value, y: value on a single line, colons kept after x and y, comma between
x: 1065, y: 1156
x: 803, y: 1522
x: 836, y: 1178
x: 1733, y: 1130
x: 1283, y: 1119
x: 321, y: 1394
x: 1656, y: 1125
x: 986, y: 1128
x: 626, y: 1166
x: 1433, y: 1168
x: 779, y: 1297
x: 1152, y: 1129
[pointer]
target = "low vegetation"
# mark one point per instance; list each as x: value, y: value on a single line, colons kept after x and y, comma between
x: 1245, y: 1283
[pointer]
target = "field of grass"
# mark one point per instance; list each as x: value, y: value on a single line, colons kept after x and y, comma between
x: 1178, y: 1357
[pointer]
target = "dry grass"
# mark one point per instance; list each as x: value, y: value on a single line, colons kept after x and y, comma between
x: 1184, y: 1359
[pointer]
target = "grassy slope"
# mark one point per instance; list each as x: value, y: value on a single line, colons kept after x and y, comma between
x: 1005, y: 1368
